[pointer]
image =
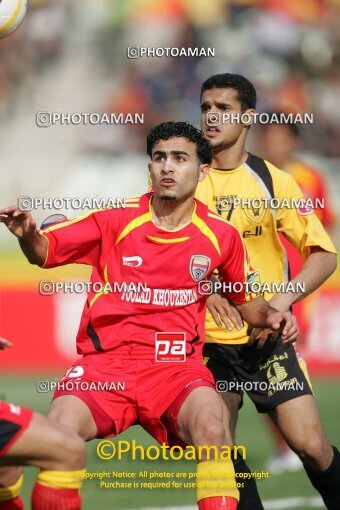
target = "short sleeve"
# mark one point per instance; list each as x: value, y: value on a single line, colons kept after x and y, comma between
x: 300, y: 225
x: 74, y: 241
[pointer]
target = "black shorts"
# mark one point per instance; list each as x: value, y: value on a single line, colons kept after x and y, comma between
x: 270, y: 376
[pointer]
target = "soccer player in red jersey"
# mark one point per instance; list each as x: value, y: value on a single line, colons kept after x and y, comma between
x: 28, y: 438
x: 170, y: 242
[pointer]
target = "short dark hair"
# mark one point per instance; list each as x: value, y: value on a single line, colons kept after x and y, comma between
x: 246, y: 93
x: 185, y: 130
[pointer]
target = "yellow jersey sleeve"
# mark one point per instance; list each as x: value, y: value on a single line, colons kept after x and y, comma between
x: 297, y: 223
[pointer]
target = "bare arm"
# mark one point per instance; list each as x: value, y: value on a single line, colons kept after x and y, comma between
x: 24, y: 227
x: 259, y: 314
x: 318, y: 267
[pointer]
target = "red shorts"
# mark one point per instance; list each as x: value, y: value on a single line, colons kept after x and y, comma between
x: 121, y: 393
x: 13, y: 421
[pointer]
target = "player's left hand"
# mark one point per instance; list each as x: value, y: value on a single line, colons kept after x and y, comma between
x: 4, y: 343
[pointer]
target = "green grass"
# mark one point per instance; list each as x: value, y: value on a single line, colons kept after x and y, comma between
x: 251, y: 432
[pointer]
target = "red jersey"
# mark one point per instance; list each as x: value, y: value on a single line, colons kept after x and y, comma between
x: 127, y: 250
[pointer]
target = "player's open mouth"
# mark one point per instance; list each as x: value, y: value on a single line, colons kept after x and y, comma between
x: 212, y: 130
x: 167, y: 182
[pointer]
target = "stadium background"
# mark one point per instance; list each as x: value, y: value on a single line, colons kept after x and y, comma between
x: 71, y: 57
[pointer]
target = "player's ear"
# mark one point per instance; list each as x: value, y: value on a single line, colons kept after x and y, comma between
x: 203, y: 172
x: 248, y: 117
x: 149, y: 167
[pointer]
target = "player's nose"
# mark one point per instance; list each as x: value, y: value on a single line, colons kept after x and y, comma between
x: 168, y: 166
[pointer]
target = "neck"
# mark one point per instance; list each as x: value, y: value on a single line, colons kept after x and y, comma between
x: 172, y: 214
x: 232, y: 156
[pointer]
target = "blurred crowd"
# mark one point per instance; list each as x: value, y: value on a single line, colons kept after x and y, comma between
x: 289, y: 49
x: 27, y: 52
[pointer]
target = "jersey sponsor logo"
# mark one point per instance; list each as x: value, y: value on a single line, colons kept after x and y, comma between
x: 170, y: 346
x: 277, y: 380
x: 15, y: 409
x: 272, y: 359
x: 132, y: 261
x: 276, y: 373
x: 161, y: 297
x: 249, y: 233
x: 199, y: 267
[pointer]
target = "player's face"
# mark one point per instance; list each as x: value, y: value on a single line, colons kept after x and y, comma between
x: 175, y: 169
x: 220, y: 132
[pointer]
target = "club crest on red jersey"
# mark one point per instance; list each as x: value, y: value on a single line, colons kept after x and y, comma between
x: 199, y: 267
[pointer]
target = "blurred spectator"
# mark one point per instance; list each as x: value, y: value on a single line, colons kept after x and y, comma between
x: 280, y: 144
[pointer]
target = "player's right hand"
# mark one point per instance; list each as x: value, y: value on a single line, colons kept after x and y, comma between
x: 4, y: 343
x: 223, y: 310
x: 20, y: 223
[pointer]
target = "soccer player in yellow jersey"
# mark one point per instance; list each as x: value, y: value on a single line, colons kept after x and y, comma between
x: 280, y: 144
x: 260, y: 359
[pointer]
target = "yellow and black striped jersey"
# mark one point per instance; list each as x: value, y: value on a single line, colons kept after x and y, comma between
x: 260, y: 200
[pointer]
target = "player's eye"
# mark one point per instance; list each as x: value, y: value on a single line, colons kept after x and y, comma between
x: 205, y: 108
